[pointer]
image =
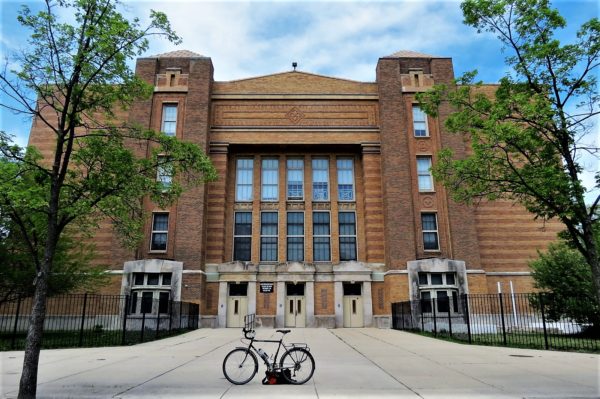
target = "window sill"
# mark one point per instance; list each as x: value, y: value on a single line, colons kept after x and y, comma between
x: 156, y: 251
x: 432, y: 251
x: 426, y: 191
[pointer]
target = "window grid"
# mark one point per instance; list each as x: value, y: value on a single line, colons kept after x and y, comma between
x: 441, y: 287
x: 345, y: 172
x: 169, y: 119
x: 430, y: 232
x: 419, y: 122
x: 160, y: 231
x: 295, y: 236
x: 268, y: 236
x: 424, y: 173
x: 295, y: 179
x: 242, y: 236
x: 243, y: 179
x: 164, y: 172
x: 321, y: 237
x: 347, y: 224
x: 320, y: 173
x: 270, y: 180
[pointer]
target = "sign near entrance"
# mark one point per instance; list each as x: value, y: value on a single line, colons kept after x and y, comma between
x: 266, y: 288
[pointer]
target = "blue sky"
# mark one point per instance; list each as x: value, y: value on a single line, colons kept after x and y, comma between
x: 339, y: 38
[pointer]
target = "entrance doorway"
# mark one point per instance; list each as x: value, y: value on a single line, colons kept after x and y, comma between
x: 237, y: 304
x: 295, y: 305
x: 353, y: 306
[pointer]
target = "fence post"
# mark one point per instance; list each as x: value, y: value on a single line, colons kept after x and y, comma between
x: 14, y: 334
x: 157, y: 324
x: 449, y: 319
x: 433, y: 306
x: 170, y: 315
x: 467, y: 310
x: 125, y: 311
x: 421, y: 311
x: 180, y: 312
x: 82, y: 319
x: 402, y: 314
x: 502, y: 315
x: 143, y: 326
x: 541, y: 297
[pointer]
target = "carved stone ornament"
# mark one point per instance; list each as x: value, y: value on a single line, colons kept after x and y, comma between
x: 423, y: 146
x: 428, y: 202
x: 295, y: 206
x: 269, y: 205
x: 321, y: 206
x: 295, y: 115
x: 243, y: 206
x: 346, y: 206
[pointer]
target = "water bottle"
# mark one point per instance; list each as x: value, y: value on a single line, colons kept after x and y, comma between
x: 264, y: 355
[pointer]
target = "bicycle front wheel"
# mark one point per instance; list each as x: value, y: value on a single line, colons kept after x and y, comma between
x: 297, y: 365
x: 240, y: 366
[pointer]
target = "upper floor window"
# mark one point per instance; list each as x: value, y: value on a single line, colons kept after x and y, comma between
x: 243, y: 179
x: 268, y: 236
x: 320, y: 172
x: 295, y: 179
x: 160, y: 231
x: 242, y: 236
x: 169, y: 119
x: 430, y: 232
x: 270, y: 180
x: 347, y: 221
x: 419, y: 122
x: 321, y: 237
x: 295, y: 236
x: 424, y: 173
x: 164, y: 171
x: 345, y: 172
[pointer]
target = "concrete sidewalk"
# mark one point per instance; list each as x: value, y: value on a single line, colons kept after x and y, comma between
x: 350, y: 363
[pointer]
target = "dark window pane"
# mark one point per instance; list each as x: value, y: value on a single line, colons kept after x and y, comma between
x: 443, y: 302
x: 347, y: 248
x: 426, y: 302
x: 159, y: 242
x: 352, y: 288
x: 134, y: 299
x: 295, y: 249
x: 242, y: 248
x: 146, y: 302
x: 455, y: 301
x: 321, y: 249
x: 243, y: 224
x: 294, y: 289
x: 450, y: 278
x: 347, y: 223
x: 423, y: 278
x: 295, y: 223
x: 138, y: 278
x: 240, y: 289
x: 321, y: 223
x: 268, y: 223
x: 436, y: 278
x: 160, y: 222
x: 152, y: 279
x: 430, y: 241
x: 429, y: 222
x: 166, y: 280
x: 268, y: 249
x: 163, y: 302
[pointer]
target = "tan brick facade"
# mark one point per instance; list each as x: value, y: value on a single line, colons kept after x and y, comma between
x: 363, y: 241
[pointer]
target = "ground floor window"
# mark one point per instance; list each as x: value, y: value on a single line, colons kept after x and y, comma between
x: 439, y: 290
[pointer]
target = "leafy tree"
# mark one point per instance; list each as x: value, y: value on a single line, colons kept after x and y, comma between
x: 527, y: 138
x: 563, y: 273
x: 71, y: 80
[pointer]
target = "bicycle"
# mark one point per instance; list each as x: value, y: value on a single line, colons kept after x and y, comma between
x: 241, y: 364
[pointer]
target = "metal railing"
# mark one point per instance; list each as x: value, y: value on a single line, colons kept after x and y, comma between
x: 516, y: 320
x: 79, y: 320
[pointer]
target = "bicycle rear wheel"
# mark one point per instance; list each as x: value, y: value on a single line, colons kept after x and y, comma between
x: 240, y: 366
x: 297, y: 366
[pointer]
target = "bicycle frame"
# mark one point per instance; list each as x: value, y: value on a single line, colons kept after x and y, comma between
x: 270, y: 366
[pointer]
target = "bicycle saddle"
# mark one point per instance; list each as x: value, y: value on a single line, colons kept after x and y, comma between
x: 284, y: 331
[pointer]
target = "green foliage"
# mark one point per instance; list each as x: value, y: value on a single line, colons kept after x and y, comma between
x: 565, y: 275
x: 526, y: 136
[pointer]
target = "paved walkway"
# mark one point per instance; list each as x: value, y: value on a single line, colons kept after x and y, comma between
x: 350, y: 363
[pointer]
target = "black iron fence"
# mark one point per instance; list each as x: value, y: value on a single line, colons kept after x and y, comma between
x: 97, y: 320
x: 517, y: 320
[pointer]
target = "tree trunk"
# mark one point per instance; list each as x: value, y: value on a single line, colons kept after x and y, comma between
x: 592, y: 256
x: 28, y: 383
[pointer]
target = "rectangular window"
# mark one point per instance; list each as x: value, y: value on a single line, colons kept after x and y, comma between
x: 268, y: 236
x: 347, y: 222
x: 164, y: 171
x: 295, y: 236
x: 430, y: 232
x: 242, y: 236
x: 243, y: 179
x: 419, y: 122
x: 320, y: 172
x: 169, y: 119
x: 321, y: 237
x: 295, y: 179
x: 345, y: 172
x: 424, y: 173
x: 160, y: 231
x: 163, y: 302
x: 270, y: 180
x: 146, y: 302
